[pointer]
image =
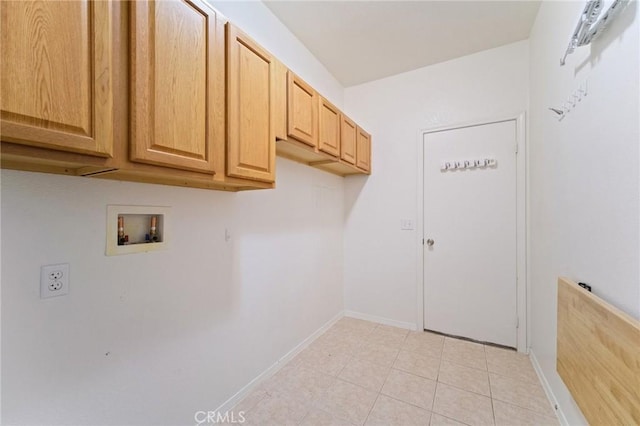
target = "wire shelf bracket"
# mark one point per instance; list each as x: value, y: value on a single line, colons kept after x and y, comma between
x: 589, y: 27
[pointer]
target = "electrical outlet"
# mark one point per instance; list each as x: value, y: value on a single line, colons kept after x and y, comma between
x: 55, y: 275
x: 54, y: 280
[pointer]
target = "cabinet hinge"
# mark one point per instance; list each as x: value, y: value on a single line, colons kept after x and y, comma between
x: 517, y: 322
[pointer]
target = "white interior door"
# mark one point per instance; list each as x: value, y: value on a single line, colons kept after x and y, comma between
x: 470, y: 216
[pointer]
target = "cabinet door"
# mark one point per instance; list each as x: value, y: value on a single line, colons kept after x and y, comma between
x: 302, y: 111
x: 177, y: 87
x: 251, y: 140
x: 280, y: 100
x: 348, y: 133
x: 363, y: 150
x: 328, y: 128
x: 57, y: 75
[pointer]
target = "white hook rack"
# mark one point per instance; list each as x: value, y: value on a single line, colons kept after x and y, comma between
x: 572, y: 101
x: 480, y: 163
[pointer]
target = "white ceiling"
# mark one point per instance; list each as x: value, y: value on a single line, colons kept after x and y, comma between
x: 360, y: 41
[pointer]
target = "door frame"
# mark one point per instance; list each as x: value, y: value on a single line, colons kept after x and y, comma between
x: 522, y: 281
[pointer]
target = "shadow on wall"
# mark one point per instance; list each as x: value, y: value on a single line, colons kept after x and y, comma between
x: 615, y: 31
x: 352, y: 189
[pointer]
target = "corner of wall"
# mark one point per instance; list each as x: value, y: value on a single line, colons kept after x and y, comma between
x: 568, y: 196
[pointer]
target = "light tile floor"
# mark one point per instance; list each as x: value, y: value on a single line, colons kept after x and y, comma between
x: 363, y: 373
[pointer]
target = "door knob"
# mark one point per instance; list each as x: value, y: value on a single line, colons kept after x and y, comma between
x: 430, y: 242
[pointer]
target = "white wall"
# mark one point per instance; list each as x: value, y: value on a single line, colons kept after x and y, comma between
x: 584, y: 174
x: 254, y: 18
x: 151, y: 338
x: 380, y: 259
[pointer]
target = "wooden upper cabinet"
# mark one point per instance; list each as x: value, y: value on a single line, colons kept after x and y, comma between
x: 302, y: 111
x: 328, y: 127
x: 348, y: 131
x: 177, y: 84
x: 251, y: 139
x: 280, y: 100
x: 57, y: 75
x: 363, y: 150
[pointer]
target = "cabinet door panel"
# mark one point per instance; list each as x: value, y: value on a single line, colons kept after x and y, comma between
x: 177, y: 84
x: 302, y: 111
x: 57, y: 75
x: 329, y: 128
x: 348, y: 133
x: 280, y: 100
x: 363, y: 150
x: 251, y: 139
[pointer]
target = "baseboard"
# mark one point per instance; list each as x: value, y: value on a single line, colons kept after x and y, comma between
x: 231, y: 402
x: 381, y: 320
x: 547, y: 389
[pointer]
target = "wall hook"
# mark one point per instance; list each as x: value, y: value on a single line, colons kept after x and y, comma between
x: 559, y: 112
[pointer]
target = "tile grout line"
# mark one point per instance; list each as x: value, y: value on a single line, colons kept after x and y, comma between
x: 371, y: 409
x: 457, y: 387
x: 486, y: 363
x: 405, y: 402
x: 530, y: 382
x: 385, y: 381
x: 488, y: 372
x: 352, y: 356
x: 442, y: 360
x: 435, y: 392
x: 382, y: 387
x: 512, y: 403
x: 315, y: 399
x: 377, y: 393
x: 400, y: 346
x: 451, y: 418
x: 414, y: 374
x: 411, y: 374
x: 524, y: 408
x: 466, y: 390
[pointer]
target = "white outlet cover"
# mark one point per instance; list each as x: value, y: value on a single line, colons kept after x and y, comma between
x: 54, y: 280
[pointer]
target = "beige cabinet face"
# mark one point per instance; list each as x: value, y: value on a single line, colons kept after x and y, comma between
x: 328, y: 128
x: 348, y: 133
x: 177, y: 88
x: 57, y: 75
x: 363, y: 150
x: 251, y: 136
x: 302, y: 111
x: 280, y: 100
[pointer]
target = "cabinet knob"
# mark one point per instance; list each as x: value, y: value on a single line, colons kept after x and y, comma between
x: 430, y: 242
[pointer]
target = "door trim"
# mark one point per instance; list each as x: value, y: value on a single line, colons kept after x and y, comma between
x: 522, y: 289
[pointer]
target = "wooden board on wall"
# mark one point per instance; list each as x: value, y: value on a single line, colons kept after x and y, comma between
x: 598, y: 356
